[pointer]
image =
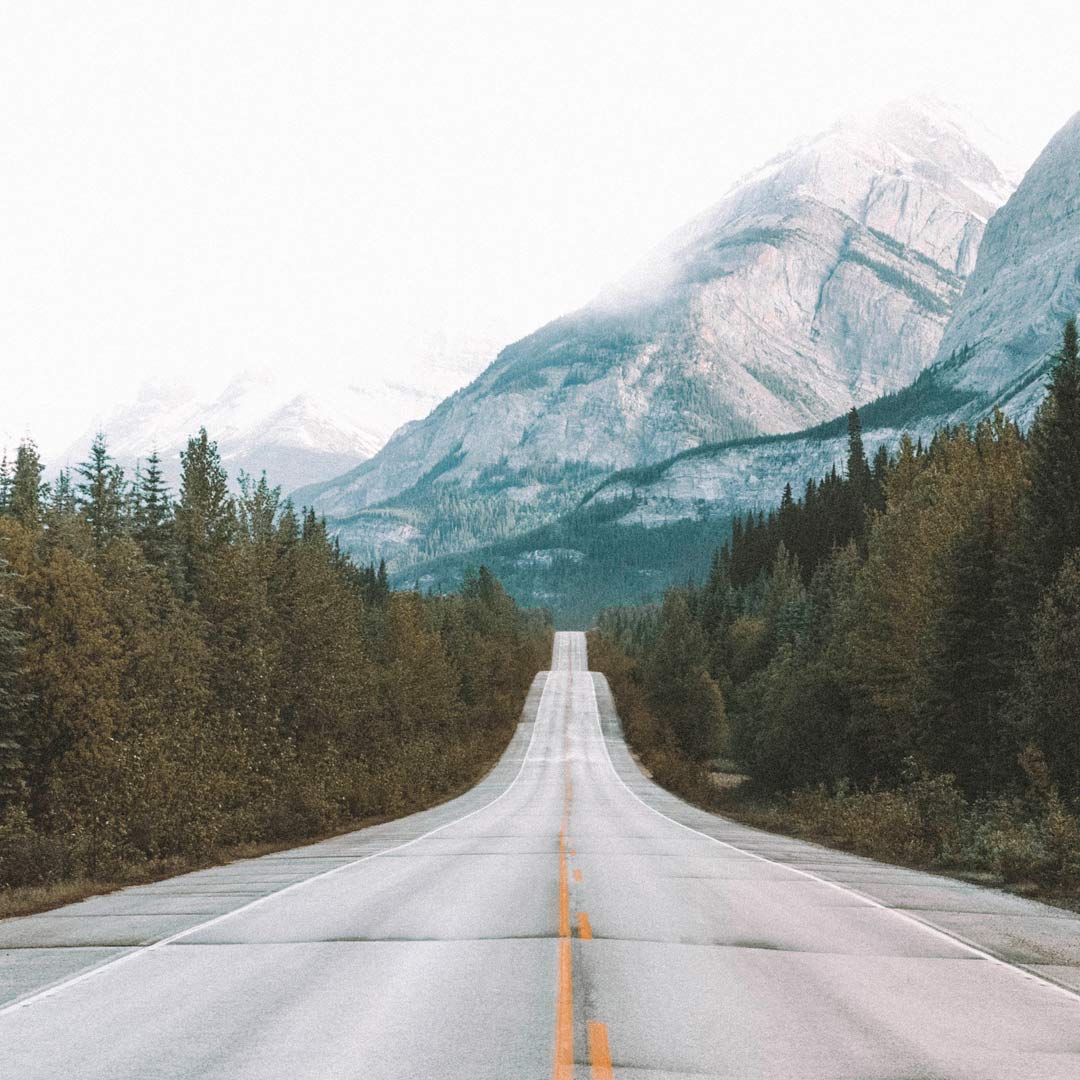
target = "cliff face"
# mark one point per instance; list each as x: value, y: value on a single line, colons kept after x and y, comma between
x: 822, y: 280
x: 996, y: 351
x: 1025, y: 284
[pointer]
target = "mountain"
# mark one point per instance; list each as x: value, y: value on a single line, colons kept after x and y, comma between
x: 645, y: 528
x: 265, y: 421
x: 822, y: 280
x: 996, y: 352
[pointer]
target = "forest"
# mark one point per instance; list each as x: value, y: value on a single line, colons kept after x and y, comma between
x: 889, y: 659
x: 181, y: 676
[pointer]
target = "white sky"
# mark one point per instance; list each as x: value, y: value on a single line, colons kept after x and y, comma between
x: 194, y: 188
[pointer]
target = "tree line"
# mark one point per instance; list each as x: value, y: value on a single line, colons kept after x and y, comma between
x: 181, y: 674
x: 917, y: 615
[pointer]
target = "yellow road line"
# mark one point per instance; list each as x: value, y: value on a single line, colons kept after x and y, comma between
x: 564, y: 1006
x: 599, y: 1052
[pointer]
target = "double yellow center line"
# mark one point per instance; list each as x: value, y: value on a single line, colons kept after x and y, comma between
x: 599, y: 1052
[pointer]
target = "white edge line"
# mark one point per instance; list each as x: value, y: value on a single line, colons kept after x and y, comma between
x: 1019, y: 969
x: 142, y: 950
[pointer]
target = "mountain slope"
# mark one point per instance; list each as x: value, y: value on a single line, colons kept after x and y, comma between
x: 820, y: 281
x: 645, y: 528
x: 996, y: 352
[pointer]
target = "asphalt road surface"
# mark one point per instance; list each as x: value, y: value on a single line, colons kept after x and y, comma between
x: 565, y: 918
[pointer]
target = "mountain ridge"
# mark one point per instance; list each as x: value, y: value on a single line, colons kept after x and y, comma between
x: 823, y: 282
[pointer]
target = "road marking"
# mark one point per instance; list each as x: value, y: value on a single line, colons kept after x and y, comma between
x: 564, y: 1002
x: 577, y: 875
x: 599, y: 1052
x: 143, y: 950
x: 975, y: 950
x: 584, y: 928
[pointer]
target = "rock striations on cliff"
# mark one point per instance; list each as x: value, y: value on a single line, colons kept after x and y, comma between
x: 822, y: 280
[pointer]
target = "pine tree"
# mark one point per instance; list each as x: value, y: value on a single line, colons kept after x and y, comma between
x: 858, y: 469
x: 204, y: 513
x: 12, y: 702
x: 153, y: 512
x: 859, y: 482
x: 27, y: 491
x: 5, y: 483
x: 101, y: 492
x: 1050, y: 694
x: 962, y: 725
x: 682, y: 690
x: 1051, y: 510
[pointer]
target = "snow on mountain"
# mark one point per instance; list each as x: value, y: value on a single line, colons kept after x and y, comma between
x: 996, y: 352
x: 820, y: 281
x: 261, y: 421
x: 1025, y: 285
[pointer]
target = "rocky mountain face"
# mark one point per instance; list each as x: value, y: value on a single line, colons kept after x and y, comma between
x: 996, y: 352
x: 645, y: 528
x: 822, y: 280
x: 1026, y: 283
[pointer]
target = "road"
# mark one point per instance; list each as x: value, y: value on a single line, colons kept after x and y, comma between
x: 564, y: 919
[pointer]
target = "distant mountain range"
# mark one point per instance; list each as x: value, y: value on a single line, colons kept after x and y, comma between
x: 264, y: 421
x: 822, y: 280
x: 646, y: 527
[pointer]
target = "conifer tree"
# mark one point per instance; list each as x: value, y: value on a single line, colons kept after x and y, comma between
x: 153, y: 512
x: 12, y: 735
x: 1050, y: 690
x: 962, y: 726
x: 100, y: 493
x: 1051, y: 511
x: 5, y: 483
x: 679, y: 682
x: 858, y: 469
x: 27, y: 491
x: 204, y: 512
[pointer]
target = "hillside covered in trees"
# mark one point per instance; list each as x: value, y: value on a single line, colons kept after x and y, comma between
x: 182, y: 675
x: 898, y: 646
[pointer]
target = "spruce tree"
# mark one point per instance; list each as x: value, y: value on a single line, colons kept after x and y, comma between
x: 1049, y: 698
x: 5, y: 483
x: 204, y: 513
x: 153, y: 512
x: 12, y: 735
x: 1051, y: 510
x: 100, y: 492
x: 858, y: 469
x: 27, y: 491
x: 962, y: 726
x: 858, y: 482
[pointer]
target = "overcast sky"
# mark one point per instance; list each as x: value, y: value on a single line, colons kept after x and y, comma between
x: 189, y: 189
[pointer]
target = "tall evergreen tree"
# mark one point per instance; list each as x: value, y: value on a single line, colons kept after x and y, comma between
x: 12, y: 702
x: 858, y: 469
x: 1050, y: 683
x: 100, y: 492
x: 5, y: 483
x: 27, y: 491
x: 204, y: 512
x: 962, y: 724
x: 153, y: 512
x: 1051, y: 510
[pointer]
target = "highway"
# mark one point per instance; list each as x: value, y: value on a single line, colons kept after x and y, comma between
x: 564, y: 919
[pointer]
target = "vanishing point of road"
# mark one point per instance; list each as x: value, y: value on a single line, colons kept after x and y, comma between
x: 564, y: 919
